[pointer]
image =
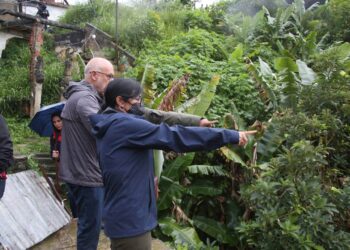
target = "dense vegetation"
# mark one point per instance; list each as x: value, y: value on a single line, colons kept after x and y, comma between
x: 279, y: 68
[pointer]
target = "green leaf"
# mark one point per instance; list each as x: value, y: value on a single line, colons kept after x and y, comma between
x: 175, y: 168
x: 146, y: 83
x: 288, y: 227
x: 180, y: 234
x: 266, y: 93
x: 204, y: 187
x: 158, y: 99
x: 233, y: 213
x: 169, y: 191
x: 158, y: 159
x: 270, y: 141
x: 207, y: 170
x: 307, y: 75
x: 231, y: 155
x: 265, y: 69
x: 342, y: 52
x: 237, y: 54
x: 215, y: 229
x: 282, y: 63
x: 310, y: 42
x: 200, y: 104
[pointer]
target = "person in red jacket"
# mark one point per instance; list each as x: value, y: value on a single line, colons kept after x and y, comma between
x: 6, y: 153
x: 55, y: 149
x: 56, y: 138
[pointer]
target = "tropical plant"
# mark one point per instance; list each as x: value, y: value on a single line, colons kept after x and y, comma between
x: 289, y: 69
x: 292, y: 204
x: 14, y: 80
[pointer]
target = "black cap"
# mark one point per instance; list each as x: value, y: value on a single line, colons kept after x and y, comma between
x: 127, y: 88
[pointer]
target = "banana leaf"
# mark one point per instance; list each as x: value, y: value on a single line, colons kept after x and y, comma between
x: 270, y: 141
x: 233, y: 213
x: 204, y: 187
x: 307, y: 75
x: 181, y: 235
x: 175, y: 168
x: 207, y: 170
x: 147, y: 85
x: 232, y: 155
x: 200, y: 104
x: 169, y: 191
x: 261, y: 79
x: 158, y: 159
x: 215, y: 229
x: 282, y: 63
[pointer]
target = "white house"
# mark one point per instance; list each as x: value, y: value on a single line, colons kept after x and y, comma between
x: 55, y: 8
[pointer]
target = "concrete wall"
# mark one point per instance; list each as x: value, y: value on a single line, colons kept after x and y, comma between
x: 3, y: 40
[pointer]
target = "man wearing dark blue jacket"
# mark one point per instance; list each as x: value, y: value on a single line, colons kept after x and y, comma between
x: 124, y: 145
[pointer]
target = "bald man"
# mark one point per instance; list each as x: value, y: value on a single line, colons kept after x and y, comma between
x: 79, y: 166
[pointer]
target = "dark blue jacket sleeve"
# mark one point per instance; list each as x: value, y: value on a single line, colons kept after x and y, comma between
x: 143, y: 134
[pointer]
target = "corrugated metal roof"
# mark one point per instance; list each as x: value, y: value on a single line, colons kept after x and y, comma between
x: 29, y: 212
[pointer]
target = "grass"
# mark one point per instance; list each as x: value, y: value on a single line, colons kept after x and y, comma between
x: 25, y: 141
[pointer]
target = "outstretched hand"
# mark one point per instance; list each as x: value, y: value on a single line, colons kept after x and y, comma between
x: 243, y: 136
x: 206, y: 123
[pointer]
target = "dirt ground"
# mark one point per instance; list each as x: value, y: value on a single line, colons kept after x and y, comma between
x: 65, y: 238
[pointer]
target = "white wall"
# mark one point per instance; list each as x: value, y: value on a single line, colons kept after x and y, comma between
x: 54, y: 11
x: 3, y: 39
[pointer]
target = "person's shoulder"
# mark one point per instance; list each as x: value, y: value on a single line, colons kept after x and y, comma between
x: 135, y: 117
x: 130, y: 119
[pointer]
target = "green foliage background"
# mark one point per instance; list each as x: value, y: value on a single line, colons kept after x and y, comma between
x: 283, y: 65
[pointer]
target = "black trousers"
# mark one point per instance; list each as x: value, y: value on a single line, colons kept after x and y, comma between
x: 140, y: 242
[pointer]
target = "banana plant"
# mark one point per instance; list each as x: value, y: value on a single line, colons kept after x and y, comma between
x: 182, y: 235
x: 281, y: 88
x: 197, y: 106
x: 165, y: 102
x: 172, y: 184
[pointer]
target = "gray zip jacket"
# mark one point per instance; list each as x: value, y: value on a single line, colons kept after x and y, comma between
x: 78, y: 156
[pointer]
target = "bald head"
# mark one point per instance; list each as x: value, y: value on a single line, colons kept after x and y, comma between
x: 98, y: 72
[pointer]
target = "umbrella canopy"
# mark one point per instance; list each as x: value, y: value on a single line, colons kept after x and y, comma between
x: 41, y: 122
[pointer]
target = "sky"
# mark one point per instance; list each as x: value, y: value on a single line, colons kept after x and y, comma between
x: 198, y: 4
x: 205, y: 2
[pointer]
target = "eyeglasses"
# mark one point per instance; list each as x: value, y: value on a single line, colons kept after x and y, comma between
x: 137, y: 98
x: 109, y: 76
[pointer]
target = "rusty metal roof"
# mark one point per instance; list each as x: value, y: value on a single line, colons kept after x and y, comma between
x: 29, y: 211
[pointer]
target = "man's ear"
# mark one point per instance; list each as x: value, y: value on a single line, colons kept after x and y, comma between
x: 93, y: 75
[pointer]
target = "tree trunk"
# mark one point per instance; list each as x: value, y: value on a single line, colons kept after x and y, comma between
x: 68, y: 69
